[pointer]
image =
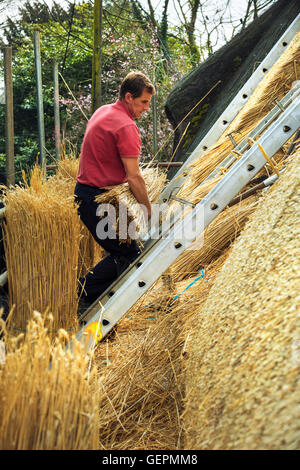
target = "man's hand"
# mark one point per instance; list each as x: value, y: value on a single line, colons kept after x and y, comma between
x: 137, y: 184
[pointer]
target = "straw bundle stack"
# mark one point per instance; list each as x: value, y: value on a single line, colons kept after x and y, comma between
x: 42, y: 235
x: 276, y: 83
x: 42, y: 407
x: 121, y: 196
x: 242, y: 378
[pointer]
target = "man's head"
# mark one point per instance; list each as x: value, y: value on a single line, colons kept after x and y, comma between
x: 136, y: 91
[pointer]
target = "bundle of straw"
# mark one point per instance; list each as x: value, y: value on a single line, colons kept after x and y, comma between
x: 42, y: 235
x: 43, y: 407
x: 121, y: 197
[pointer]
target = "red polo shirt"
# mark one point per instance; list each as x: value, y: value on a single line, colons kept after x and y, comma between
x: 111, y: 133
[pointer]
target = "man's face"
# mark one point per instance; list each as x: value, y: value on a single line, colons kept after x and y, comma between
x: 138, y: 105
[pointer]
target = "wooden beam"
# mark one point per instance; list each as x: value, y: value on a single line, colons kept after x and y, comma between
x: 97, y: 56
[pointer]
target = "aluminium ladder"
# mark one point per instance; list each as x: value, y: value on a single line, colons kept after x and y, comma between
x: 162, y: 251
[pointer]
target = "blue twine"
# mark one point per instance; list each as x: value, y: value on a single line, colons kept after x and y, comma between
x: 192, y: 283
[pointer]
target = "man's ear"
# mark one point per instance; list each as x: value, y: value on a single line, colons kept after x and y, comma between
x: 128, y: 97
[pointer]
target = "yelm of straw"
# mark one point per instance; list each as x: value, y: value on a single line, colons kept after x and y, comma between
x: 49, y: 397
x: 42, y: 235
x: 121, y: 195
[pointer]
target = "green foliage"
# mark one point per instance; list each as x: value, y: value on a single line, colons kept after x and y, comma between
x: 29, y: 14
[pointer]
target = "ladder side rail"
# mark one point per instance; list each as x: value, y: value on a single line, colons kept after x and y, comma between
x: 261, y: 127
x: 233, y: 108
x: 168, y: 249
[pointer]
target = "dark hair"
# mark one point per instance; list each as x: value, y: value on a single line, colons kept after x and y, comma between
x: 135, y: 83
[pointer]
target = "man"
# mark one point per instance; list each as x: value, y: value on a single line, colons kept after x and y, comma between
x: 110, y: 156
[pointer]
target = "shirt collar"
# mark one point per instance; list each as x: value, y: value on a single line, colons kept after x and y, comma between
x: 119, y: 104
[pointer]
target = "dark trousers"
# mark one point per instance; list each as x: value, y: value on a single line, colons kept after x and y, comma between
x: 120, y: 254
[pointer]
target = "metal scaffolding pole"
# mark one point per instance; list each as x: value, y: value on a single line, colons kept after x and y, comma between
x: 56, y: 110
x: 40, y: 107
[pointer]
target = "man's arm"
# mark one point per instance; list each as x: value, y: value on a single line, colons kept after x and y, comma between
x: 136, y: 183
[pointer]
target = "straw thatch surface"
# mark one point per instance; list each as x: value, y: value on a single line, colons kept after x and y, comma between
x: 242, y: 381
x: 42, y: 407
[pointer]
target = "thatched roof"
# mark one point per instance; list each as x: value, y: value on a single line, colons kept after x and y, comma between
x: 242, y: 382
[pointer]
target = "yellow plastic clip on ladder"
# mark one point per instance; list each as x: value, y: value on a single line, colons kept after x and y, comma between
x: 268, y: 159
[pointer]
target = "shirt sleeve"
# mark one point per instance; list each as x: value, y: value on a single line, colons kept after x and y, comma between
x: 128, y: 141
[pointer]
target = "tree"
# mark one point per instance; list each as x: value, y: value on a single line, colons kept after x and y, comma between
x: 31, y: 13
x: 254, y: 8
x: 206, y: 25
